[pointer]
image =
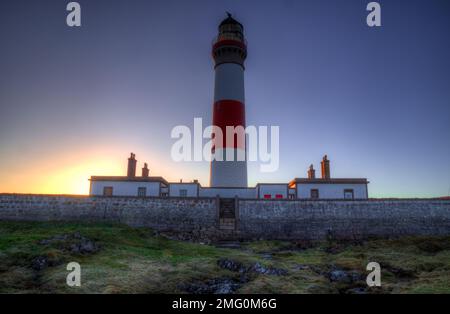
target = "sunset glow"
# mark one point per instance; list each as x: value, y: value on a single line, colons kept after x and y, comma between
x: 75, y: 102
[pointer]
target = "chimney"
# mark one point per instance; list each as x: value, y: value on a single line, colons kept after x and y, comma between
x: 325, y: 167
x: 131, y: 171
x: 145, y: 171
x: 311, y: 172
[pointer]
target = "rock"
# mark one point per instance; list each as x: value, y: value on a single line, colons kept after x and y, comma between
x: 402, y: 273
x: 318, y: 270
x: 343, y: 276
x: 258, y: 268
x: 213, y: 286
x: 339, y: 276
x: 301, y: 267
x: 74, y: 243
x: 39, y: 263
x: 195, y: 236
x: 226, y: 287
x: 231, y: 265
x: 267, y: 256
x: 85, y: 246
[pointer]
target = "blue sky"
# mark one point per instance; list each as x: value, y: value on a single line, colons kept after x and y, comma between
x: 376, y: 100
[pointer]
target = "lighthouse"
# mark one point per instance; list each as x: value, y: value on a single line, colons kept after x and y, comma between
x: 229, y: 52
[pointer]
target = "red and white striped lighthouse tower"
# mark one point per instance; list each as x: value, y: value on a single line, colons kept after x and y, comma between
x: 229, y: 52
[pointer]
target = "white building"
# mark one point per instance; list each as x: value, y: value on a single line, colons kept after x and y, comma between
x: 184, y: 189
x: 126, y: 186
x: 348, y: 189
x: 311, y: 188
x: 129, y: 185
x: 327, y: 187
x: 272, y: 190
x: 228, y: 192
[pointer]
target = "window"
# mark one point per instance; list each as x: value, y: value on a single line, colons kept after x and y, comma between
x: 108, y: 191
x: 267, y: 196
x: 291, y: 196
x: 279, y: 196
x: 183, y: 193
x: 314, y: 194
x: 348, y: 194
x: 142, y: 192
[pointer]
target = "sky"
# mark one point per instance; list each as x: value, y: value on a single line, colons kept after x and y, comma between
x: 74, y: 102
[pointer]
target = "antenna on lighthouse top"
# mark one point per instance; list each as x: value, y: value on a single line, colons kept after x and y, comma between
x: 229, y: 14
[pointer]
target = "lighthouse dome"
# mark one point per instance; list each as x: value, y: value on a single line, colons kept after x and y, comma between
x: 230, y: 21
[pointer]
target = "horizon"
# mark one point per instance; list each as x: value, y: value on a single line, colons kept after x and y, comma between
x: 75, y: 102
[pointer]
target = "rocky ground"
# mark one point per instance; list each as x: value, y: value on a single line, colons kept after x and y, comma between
x: 120, y: 259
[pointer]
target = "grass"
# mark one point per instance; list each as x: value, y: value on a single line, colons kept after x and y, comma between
x: 134, y: 260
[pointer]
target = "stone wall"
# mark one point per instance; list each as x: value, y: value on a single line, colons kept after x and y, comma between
x: 343, y: 219
x: 268, y: 219
x: 158, y: 213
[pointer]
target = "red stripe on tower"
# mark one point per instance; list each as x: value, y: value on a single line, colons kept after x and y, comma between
x: 229, y: 113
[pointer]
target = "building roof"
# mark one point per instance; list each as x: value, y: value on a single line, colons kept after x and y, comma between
x: 275, y: 183
x: 184, y: 183
x: 329, y: 181
x: 129, y: 179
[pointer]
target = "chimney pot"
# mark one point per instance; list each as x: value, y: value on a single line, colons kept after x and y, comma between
x: 145, y: 171
x: 325, y: 165
x: 311, y: 172
x: 131, y: 171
